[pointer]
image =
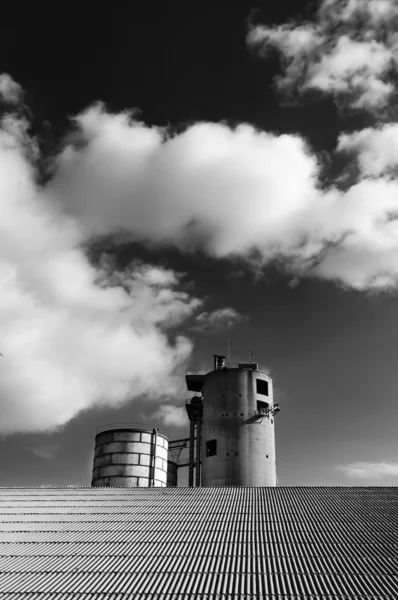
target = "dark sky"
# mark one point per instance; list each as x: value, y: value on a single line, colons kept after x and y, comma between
x: 175, y: 66
x: 331, y: 352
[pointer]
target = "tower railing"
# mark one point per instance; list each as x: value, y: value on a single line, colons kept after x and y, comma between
x: 112, y: 426
x: 228, y: 365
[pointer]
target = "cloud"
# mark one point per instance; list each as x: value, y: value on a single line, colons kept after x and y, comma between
x: 183, y: 189
x: 47, y: 451
x: 225, y: 191
x: 74, y: 336
x: 374, y: 149
x: 217, y: 320
x: 171, y: 415
x: 369, y: 470
x: 349, y: 51
x: 10, y: 91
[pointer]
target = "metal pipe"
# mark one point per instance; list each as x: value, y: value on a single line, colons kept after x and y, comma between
x: 221, y: 362
x: 155, y: 444
x: 191, y: 451
x: 198, y: 443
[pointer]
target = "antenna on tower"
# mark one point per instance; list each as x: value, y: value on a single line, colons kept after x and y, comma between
x: 228, y: 350
x: 251, y: 355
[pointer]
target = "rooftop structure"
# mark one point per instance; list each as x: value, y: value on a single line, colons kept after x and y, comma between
x: 128, y: 456
x: 223, y: 543
x: 232, y: 420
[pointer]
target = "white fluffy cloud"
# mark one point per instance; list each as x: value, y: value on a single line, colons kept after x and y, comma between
x: 350, y: 51
x: 73, y: 336
x: 369, y: 470
x: 231, y: 192
x: 375, y: 149
x: 217, y: 320
x: 170, y: 415
x: 10, y: 91
x: 222, y: 189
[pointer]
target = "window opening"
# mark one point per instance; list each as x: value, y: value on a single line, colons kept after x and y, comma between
x: 262, y: 387
x: 211, y: 448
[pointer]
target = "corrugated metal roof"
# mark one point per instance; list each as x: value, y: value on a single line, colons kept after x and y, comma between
x: 207, y: 543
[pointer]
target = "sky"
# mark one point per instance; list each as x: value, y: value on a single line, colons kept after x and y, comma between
x: 173, y: 183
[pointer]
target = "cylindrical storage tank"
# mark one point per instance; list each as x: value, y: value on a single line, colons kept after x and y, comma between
x: 129, y: 457
x: 172, y: 471
x: 238, y: 448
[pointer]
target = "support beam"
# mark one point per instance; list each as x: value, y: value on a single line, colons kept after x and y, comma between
x: 198, y: 443
x: 191, y: 451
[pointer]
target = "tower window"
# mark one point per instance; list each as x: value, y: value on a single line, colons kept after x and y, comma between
x: 262, y: 387
x: 262, y: 405
x: 211, y: 448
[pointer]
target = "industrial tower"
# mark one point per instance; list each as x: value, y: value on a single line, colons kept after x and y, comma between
x: 231, y: 440
x: 235, y: 442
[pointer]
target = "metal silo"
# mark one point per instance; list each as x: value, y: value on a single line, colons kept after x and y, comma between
x: 129, y: 457
x: 237, y: 443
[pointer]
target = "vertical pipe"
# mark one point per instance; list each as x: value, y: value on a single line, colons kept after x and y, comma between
x: 198, y: 442
x: 154, y: 447
x: 191, y: 451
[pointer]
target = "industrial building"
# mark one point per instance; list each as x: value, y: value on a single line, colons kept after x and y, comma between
x: 233, y: 533
x: 231, y: 441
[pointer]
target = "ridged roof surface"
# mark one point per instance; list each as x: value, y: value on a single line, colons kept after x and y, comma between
x: 180, y: 543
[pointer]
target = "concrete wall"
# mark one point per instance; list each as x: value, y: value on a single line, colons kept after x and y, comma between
x: 245, y: 453
x: 124, y: 458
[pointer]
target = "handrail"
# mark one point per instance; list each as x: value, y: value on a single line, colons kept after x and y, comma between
x: 260, y: 413
x: 133, y: 426
x: 228, y: 365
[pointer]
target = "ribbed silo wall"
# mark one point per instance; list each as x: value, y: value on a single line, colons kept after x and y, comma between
x: 245, y: 451
x: 129, y: 457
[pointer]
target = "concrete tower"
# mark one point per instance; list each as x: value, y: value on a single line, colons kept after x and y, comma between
x: 237, y: 443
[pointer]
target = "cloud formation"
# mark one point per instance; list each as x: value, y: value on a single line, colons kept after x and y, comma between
x: 185, y: 189
x: 10, y: 91
x: 226, y: 191
x: 349, y: 51
x: 74, y: 336
x: 217, y: 320
x: 46, y: 451
x: 369, y: 470
x: 170, y: 415
x: 375, y: 149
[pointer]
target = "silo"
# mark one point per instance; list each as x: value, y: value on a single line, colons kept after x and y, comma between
x: 237, y: 429
x: 129, y: 457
